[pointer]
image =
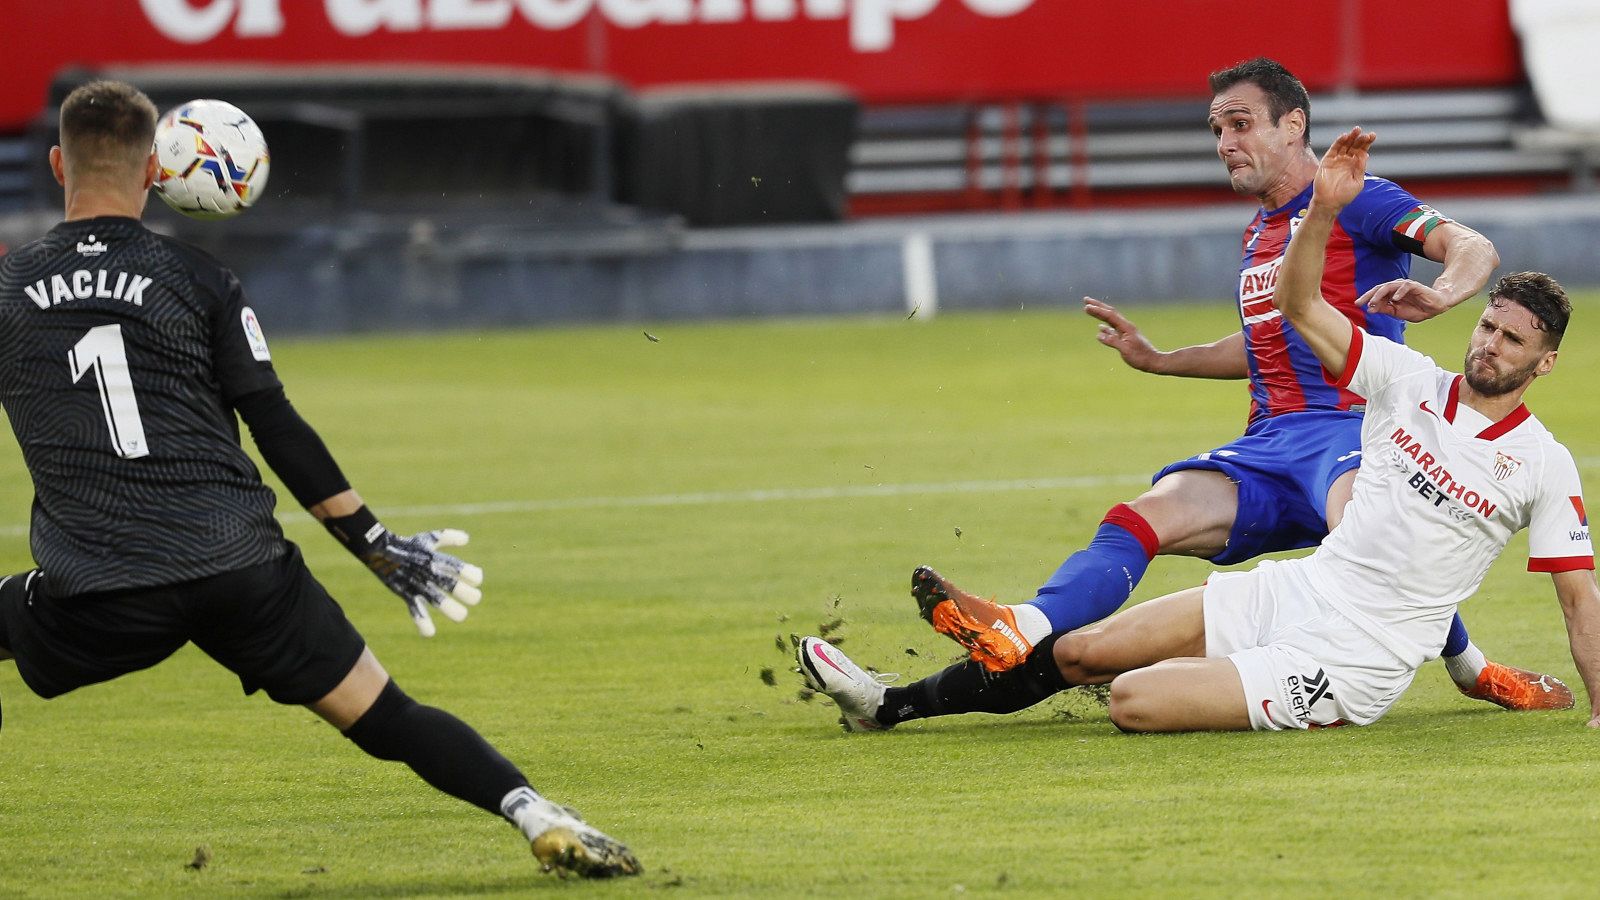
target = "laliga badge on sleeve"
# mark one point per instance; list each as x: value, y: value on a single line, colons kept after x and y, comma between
x: 253, y: 335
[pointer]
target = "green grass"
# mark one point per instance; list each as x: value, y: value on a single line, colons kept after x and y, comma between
x: 618, y: 653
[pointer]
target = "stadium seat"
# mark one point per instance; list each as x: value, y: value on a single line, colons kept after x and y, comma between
x: 1082, y: 152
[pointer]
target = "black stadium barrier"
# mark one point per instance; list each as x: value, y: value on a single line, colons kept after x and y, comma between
x: 738, y: 156
x: 418, y: 138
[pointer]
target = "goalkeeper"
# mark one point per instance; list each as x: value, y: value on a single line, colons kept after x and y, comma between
x: 124, y: 357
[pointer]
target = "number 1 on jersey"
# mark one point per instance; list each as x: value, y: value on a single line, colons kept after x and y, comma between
x: 102, y: 352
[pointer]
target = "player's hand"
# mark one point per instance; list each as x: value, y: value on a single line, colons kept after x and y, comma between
x: 412, y: 566
x: 1119, y: 333
x: 422, y: 576
x: 1405, y: 299
x: 1343, y: 170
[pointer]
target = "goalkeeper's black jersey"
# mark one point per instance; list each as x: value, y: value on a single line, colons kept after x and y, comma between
x: 121, y: 355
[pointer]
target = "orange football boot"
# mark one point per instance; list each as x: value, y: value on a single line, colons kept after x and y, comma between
x: 1519, y: 689
x: 987, y: 629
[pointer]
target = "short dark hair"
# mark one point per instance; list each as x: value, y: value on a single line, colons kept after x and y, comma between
x: 1541, y: 295
x: 107, y: 125
x: 1284, y: 91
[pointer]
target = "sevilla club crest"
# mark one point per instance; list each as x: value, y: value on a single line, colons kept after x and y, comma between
x: 1505, y: 466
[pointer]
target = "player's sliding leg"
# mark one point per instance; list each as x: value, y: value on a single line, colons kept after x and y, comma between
x: 1152, y: 631
x: 372, y: 711
x: 1187, y: 512
x: 1165, y: 628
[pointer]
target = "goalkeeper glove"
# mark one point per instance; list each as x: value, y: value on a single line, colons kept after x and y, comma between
x: 412, y: 566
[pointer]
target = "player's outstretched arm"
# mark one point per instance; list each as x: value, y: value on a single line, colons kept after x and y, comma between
x: 1580, y: 604
x: 1224, y: 358
x: 413, y: 567
x: 1298, y: 294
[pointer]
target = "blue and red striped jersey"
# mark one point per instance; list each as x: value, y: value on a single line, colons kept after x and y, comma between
x: 1372, y: 243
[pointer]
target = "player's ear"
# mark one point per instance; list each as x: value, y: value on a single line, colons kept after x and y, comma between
x: 58, y: 165
x: 152, y: 165
x: 1294, y: 122
x: 1547, y: 364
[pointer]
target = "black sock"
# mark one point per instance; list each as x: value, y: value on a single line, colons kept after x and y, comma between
x: 968, y: 687
x: 441, y: 748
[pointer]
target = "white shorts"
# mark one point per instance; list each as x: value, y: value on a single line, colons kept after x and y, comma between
x: 1303, y: 664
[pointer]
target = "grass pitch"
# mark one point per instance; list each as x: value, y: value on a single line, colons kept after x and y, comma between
x: 656, y: 518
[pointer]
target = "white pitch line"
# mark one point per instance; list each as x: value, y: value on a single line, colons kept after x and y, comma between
x: 765, y: 495
x: 714, y: 498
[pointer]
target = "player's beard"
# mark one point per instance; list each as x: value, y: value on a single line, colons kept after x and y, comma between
x: 1496, y: 385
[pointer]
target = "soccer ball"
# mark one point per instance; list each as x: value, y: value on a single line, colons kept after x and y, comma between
x: 213, y: 159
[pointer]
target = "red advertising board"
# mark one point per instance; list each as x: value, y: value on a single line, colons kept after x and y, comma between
x: 884, y: 50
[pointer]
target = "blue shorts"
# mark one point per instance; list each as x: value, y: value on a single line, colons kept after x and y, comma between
x: 1284, y: 467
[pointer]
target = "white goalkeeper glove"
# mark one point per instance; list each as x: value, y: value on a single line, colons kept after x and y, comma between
x: 413, y: 567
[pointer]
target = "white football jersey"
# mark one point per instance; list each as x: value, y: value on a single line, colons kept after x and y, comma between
x: 1440, y: 491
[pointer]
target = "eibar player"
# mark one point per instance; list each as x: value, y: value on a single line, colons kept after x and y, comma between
x: 1455, y: 465
x: 1284, y: 483
x: 124, y: 356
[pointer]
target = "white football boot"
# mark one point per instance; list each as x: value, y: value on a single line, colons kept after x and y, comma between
x: 830, y: 672
x: 565, y: 844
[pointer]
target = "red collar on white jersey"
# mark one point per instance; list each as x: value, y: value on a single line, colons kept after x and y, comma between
x: 1496, y: 429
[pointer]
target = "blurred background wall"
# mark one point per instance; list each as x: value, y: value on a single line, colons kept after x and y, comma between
x: 498, y: 162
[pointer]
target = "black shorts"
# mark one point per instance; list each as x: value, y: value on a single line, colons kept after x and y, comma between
x: 272, y: 625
